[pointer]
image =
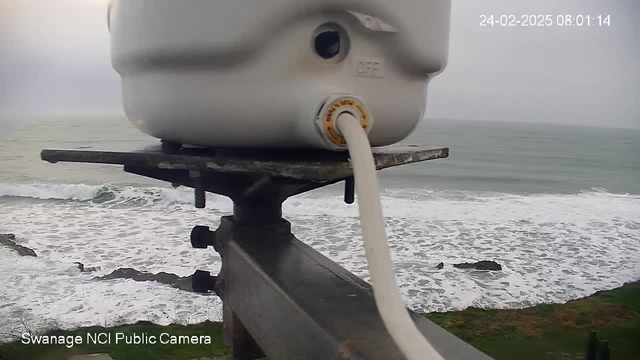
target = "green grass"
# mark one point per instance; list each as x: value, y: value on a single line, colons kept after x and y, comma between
x: 550, y: 332
x: 555, y: 331
x: 19, y: 351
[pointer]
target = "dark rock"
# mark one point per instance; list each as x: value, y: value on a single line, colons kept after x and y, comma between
x: 173, y: 280
x: 8, y: 241
x: 82, y: 268
x: 480, y: 265
x: 440, y: 266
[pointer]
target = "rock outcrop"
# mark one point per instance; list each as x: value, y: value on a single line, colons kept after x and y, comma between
x: 8, y: 241
x: 480, y: 265
x: 173, y: 280
x: 83, y: 268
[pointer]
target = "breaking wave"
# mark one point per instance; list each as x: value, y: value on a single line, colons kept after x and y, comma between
x: 403, y: 203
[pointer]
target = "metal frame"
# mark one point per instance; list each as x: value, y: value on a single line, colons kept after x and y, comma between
x: 281, y: 298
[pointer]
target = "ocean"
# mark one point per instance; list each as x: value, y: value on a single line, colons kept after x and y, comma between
x: 557, y: 206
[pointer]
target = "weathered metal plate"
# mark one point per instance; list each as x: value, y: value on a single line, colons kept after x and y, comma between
x: 316, y: 166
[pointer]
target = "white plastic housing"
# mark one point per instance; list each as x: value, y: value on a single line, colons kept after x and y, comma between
x: 246, y: 73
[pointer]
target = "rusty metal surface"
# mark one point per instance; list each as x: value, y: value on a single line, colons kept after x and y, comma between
x: 315, y: 166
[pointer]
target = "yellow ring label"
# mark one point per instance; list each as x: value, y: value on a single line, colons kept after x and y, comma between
x: 344, y: 104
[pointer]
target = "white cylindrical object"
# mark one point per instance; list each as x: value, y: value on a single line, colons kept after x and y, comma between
x: 237, y: 72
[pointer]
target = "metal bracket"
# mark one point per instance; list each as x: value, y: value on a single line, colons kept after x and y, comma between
x: 297, y: 304
x: 281, y: 298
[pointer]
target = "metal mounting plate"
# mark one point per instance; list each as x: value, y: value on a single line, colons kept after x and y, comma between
x: 308, y: 165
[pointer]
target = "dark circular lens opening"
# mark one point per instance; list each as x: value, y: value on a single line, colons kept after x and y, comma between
x: 327, y: 44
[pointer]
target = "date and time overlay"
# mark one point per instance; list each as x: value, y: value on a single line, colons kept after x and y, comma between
x: 544, y: 20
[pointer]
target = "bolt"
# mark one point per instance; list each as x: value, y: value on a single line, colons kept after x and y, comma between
x: 202, y: 281
x: 349, y: 190
x: 202, y: 237
x: 198, y: 186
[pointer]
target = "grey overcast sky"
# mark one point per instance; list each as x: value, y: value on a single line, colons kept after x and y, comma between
x: 55, y: 60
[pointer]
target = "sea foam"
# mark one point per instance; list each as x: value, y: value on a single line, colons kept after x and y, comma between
x: 553, y: 247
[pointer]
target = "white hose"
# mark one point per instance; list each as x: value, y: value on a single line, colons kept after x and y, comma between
x: 392, y: 310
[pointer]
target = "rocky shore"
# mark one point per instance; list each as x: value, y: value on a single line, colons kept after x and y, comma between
x: 8, y: 240
x: 173, y: 280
